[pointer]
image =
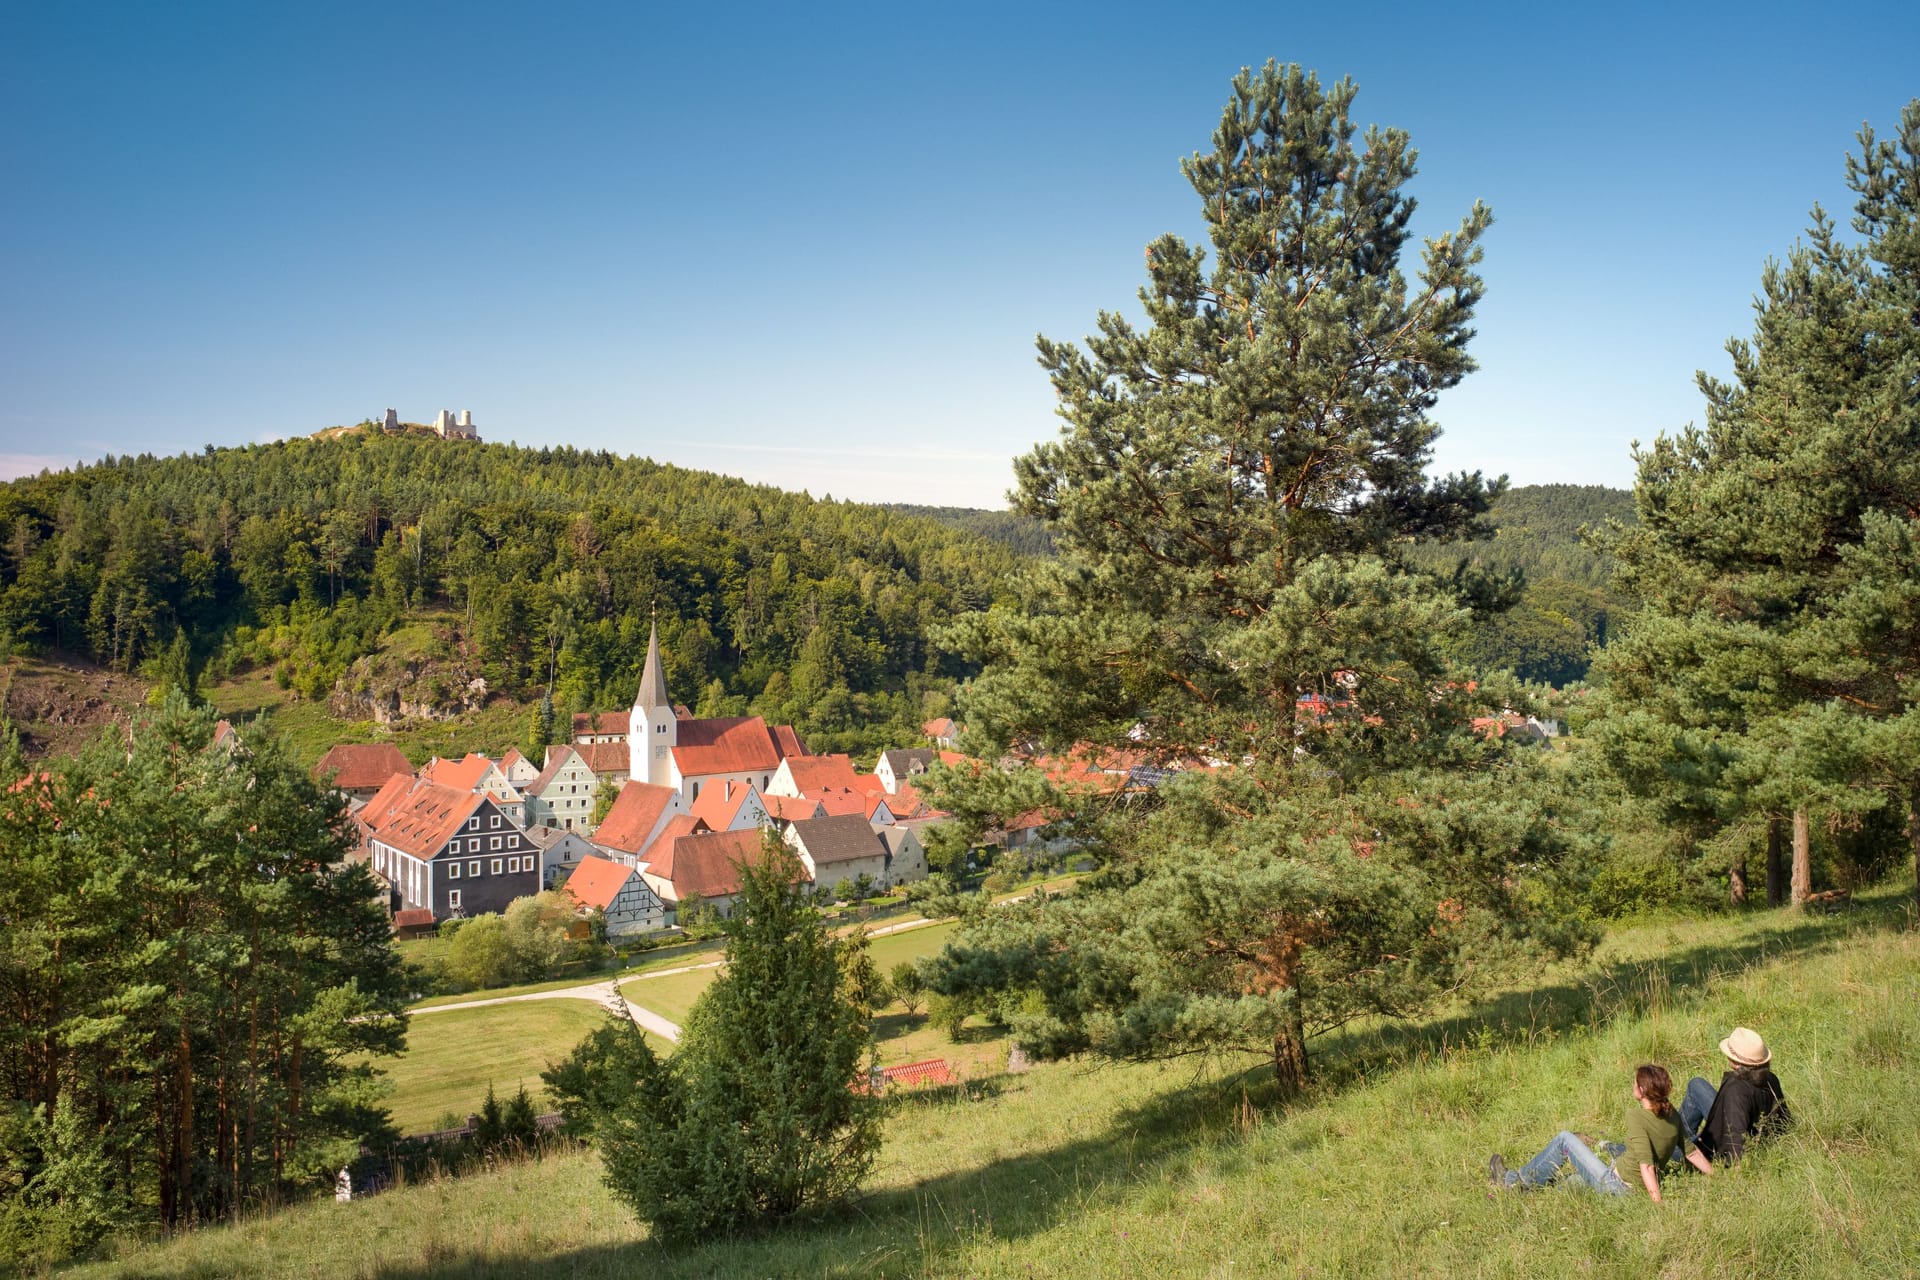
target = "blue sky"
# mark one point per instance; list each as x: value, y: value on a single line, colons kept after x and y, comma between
x: 811, y: 245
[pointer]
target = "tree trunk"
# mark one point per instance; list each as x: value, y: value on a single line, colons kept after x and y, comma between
x: 1290, y: 1053
x: 1776, y: 864
x: 1913, y: 837
x: 1737, y: 879
x: 1802, y: 858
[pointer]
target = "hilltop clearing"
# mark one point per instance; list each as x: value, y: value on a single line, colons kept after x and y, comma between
x: 1379, y: 1170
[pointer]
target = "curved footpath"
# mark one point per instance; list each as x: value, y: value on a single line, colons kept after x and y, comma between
x: 606, y: 992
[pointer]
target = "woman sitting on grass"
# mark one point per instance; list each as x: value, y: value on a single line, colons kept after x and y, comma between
x: 1654, y: 1137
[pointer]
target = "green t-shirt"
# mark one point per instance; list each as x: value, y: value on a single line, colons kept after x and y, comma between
x: 1651, y: 1139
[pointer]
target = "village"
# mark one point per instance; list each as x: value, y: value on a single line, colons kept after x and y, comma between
x: 695, y: 797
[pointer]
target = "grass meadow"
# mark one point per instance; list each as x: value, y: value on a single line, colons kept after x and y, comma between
x: 452, y: 1057
x: 1073, y: 1169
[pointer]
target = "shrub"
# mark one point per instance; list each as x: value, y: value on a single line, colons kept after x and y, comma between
x: 755, y: 1116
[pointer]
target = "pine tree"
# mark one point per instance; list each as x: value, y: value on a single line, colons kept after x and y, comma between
x: 756, y: 1116
x: 1769, y: 654
x: 1231, y: 499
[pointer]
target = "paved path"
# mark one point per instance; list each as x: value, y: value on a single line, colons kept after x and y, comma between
x: 605, y: 992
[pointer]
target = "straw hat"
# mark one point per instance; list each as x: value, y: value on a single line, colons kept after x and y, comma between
x: 1745, y: 1048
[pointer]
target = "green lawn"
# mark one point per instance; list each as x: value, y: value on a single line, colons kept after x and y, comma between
x: 671, y: 996
x: 1185, y: 1171
x: 452, y: 1057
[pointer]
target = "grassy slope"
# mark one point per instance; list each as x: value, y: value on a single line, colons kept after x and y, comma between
x: 309, y: 729
x: 452, y: 1057
x: 1149, y: 1171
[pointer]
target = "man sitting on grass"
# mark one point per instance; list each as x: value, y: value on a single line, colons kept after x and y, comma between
x: 1654, y: 1137
x: 1748, y: 1102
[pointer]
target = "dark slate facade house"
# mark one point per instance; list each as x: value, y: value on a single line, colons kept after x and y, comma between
x: 450, y: 852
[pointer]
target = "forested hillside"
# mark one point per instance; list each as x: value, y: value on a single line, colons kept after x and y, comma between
x: 516, y: 567
x: 1567, y: 607
x: 1563, y: 613
x: 1009, y: 528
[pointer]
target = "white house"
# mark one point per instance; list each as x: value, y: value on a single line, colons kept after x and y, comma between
x: 563, y: 795
x: 622, y: 896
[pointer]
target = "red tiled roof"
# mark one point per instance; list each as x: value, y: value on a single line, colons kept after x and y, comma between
x: 954, y: 760
x: 596, y: 882
x: 792, y: 808
x: 735, y: 744
x: 633, y: 816
x: 940, y: 728
x: 604, y: 757
x: 603, y: 723
x: 357, y: 766
x: 719, y: 802
x: 706, y: 863
x: 909, y: 1075
x: 788, y: 741
x: 412, y: 917
x: 421, y: 819
x: 511, y: 758
x: 905, y: 802
x: 462, y: 775
x: 839, y: 803
x: 818, y: 773
x: 375, y: 810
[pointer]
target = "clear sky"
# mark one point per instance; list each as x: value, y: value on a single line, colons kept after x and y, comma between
x: 811, y: 244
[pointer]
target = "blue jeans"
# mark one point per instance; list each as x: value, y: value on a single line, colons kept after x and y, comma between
x: 1695, y: 1105
x: 1567, y: 1149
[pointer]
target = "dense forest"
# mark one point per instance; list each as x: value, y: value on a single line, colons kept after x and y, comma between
x: 528, y: 569
x: 1565, y: 609
x: 1009, y: 528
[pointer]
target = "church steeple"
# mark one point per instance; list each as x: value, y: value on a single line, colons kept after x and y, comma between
x: 653, y: 676
x: 652, y: 730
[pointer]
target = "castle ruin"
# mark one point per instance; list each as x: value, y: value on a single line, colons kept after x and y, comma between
x: 446, y: 426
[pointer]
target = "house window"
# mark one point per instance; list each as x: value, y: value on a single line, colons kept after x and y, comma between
x: 453, y: 899
x: 494, y: 821
x: 696, y: 791
x: 473, y: 823
x: 494, y: 842
x: 495, y: 868
x: 473, y: 868
x: 453, y: 871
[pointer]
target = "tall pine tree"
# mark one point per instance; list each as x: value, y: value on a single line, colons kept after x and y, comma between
x: 1230, y: 499
x: 1770, y: 656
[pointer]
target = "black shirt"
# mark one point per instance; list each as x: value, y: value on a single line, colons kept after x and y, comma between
x: 1742, y: 1107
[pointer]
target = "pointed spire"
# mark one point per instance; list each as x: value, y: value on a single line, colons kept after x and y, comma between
x: 653, y: 677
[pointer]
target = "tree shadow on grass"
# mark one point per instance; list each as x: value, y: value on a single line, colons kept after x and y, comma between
x: 900, y: 1231
x: 1603, y: 994
x: 912, y: 1229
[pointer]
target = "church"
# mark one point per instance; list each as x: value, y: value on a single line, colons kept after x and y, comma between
x: 667, y: 747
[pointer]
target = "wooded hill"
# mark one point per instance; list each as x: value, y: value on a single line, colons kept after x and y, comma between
x: 545, y: 564
x: 1562, y: 614
x: 1567, y: 607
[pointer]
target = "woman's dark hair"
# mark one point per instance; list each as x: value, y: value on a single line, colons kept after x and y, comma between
x: 1756, y: 1076
x: 1656, y: 1086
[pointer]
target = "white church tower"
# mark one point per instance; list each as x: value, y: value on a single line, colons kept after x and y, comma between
x: 653, y: 728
